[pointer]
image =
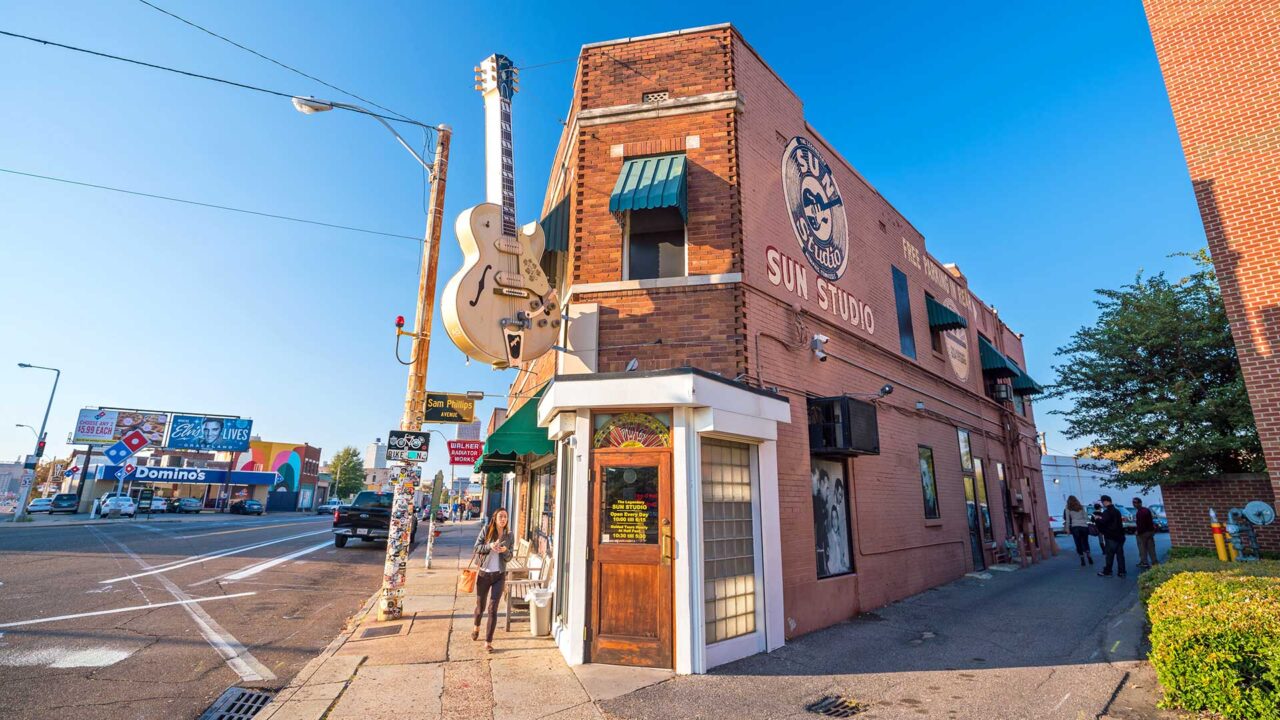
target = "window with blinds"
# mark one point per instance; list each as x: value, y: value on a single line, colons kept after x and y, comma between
x: 728, y: 538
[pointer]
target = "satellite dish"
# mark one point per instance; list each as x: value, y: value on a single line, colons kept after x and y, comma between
x: 1259, y: 513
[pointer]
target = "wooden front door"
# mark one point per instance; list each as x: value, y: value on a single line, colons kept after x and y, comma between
x: 632, y: 546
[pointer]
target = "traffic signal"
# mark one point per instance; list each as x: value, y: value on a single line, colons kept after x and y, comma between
x: 40, y: 449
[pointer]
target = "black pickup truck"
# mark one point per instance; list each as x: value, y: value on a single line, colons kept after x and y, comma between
x: 367, y: 517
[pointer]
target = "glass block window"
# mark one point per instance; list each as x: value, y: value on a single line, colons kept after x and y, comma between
x: 728, y: 539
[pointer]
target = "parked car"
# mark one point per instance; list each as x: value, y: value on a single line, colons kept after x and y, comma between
x: 1161, y: 520
x: 1056, y: 524
x: 247, y: 507
x: 368, y: 518
x: 328, y: 506
x: 185, y: 505
x: 65, y: 502
x: 1128, y: 518
x: 40, y: 505
x: 122, y: 503
x: 159, y: 504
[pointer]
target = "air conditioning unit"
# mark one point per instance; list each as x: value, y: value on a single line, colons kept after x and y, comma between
x: 843, y: 426
x: 1000, y: 392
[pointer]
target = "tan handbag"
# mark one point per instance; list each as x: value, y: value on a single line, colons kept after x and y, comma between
x: 467, y: 578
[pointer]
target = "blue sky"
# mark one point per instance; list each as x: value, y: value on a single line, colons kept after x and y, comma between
x: 1031, y: 143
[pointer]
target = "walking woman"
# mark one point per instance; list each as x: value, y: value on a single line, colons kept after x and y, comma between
x: 1076, y: 521
x: 494, y: 548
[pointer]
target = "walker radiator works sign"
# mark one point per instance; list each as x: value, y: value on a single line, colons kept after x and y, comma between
x: 465, y: 452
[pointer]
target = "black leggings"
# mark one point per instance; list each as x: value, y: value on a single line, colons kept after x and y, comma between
x: 491, y: 585
x: 1081, y: 536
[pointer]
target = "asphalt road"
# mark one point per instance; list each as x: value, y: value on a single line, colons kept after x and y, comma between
x: 138, y: 619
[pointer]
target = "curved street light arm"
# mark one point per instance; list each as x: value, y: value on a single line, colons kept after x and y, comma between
x: 356, y: 108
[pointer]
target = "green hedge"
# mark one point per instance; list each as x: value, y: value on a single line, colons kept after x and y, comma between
x: 1178, y: 553
x: 1215, y: 635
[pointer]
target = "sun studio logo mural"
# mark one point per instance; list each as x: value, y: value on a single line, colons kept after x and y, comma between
x: 817, y: 209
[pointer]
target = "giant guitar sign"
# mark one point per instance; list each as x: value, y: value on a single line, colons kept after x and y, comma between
x: 499, y: 308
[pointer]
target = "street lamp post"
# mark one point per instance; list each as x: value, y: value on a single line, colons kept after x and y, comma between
x: 21, y: 510
x: 390, y: 605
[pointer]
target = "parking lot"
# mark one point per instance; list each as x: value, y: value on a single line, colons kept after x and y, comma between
x: 154, y: 618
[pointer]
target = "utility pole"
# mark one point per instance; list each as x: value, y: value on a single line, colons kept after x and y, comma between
x: 390, y: 604
x: 30, y: 466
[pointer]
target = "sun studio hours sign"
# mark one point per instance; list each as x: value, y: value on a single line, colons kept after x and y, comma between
x: 822, y: 230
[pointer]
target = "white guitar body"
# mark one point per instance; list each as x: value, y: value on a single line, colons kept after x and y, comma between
x: 500, y: 297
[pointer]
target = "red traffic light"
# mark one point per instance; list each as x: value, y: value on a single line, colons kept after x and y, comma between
x: 399, y: 321
x: 40, y: 449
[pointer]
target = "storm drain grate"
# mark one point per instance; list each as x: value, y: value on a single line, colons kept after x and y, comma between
x: 381, y: 631
x: 237, y: 704
x: 836, y: 706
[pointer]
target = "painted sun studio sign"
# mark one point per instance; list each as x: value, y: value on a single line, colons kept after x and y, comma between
x: 822, y: 229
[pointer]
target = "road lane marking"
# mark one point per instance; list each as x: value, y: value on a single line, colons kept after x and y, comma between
x: 265, y: 526
x: 134, y: 608
x: 254, y: 569
x: 236, y: 656
x: 197, y: 559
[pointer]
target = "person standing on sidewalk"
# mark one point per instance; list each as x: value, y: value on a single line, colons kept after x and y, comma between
x: 1076, y: 522
x: 1111, y: 524
x: 494, y: 548
x: 1145, y: 524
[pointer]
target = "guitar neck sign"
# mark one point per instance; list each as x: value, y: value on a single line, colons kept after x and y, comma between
x: 408, y: 445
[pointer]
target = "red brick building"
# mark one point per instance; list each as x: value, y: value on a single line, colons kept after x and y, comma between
x: 1221, y: 65
x: 728, y: 471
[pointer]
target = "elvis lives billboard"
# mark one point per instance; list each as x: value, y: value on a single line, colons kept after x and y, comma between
x: 203, y: 432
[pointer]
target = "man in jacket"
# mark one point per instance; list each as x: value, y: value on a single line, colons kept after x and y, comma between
x: 1111, y: 526
x: 1145, y: 524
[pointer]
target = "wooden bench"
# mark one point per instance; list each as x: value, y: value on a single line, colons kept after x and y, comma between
x: 517, y: 589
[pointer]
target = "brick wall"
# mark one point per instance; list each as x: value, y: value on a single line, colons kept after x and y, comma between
x: 1187, y: 505
x: 1221, y: 65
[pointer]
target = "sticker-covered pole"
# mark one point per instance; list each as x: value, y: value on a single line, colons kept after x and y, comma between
x: 390, y: 604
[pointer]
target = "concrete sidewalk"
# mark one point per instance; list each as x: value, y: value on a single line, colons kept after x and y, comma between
x: 426, y: 665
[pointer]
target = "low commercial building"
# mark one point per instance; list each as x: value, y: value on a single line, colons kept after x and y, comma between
x: 773, y: 408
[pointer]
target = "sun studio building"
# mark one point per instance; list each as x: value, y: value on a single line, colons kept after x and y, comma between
x: 769, y: 408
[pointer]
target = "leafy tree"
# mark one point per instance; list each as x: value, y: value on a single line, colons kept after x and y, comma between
x: 347, y: 470
x: 1156, y: 383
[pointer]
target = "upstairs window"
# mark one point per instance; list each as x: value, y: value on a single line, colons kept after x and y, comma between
x: 906, y: 333
x: 935, y: 336
x: 655, y: 244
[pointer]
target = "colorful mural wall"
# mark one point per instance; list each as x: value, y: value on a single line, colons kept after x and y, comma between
x: 294, y: 464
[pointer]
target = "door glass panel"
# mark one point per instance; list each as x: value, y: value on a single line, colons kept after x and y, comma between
x: 629, y: 511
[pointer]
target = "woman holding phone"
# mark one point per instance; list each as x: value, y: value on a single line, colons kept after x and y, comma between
x: 493, y: 548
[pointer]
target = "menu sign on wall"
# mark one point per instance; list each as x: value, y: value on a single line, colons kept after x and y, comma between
x: 630, y: 512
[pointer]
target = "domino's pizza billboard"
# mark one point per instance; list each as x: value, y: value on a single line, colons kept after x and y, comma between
x: 209, y: 432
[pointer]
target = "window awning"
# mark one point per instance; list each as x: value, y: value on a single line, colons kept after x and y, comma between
x: 941, y: 317
x: 994, y: 362
x: 1024, y: 385
x: 519, y: 435
x: 650, y: 183
x: 555, y: 226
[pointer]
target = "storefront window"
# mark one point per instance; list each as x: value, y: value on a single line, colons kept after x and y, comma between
x: 929, y: 483
x: 728, y: 540
x: 632, y: 430
x: 630, y: 505
x: 984, y: 509
x: 565, y: 540
x: 539, y: 508
x: 831, y: 518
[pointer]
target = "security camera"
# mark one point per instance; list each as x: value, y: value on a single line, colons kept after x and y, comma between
x: 886, y: 389
x: 816, y: 345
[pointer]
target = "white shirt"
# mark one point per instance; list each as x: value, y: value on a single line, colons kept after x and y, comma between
x: 491, y: 562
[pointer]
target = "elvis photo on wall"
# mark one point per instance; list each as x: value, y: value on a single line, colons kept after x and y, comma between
x: 831, y: 518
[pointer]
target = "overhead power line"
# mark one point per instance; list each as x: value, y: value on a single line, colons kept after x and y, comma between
x: 272, y: 60
x: 214, y: 206
x: 188, y: 73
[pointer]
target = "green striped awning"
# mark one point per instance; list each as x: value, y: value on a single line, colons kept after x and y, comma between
x: 941, y: 317
x: 518, y: 435
x: 555, y: 226
x: 994, y: 362
x: 649, y: 183
x: 1024, y: 385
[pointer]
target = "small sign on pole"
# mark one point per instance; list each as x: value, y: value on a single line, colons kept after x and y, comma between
x: 465, y: 452
x: 449, y: 408
x: 407, y: 445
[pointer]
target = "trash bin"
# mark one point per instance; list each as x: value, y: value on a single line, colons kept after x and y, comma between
x: 540, y: 612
